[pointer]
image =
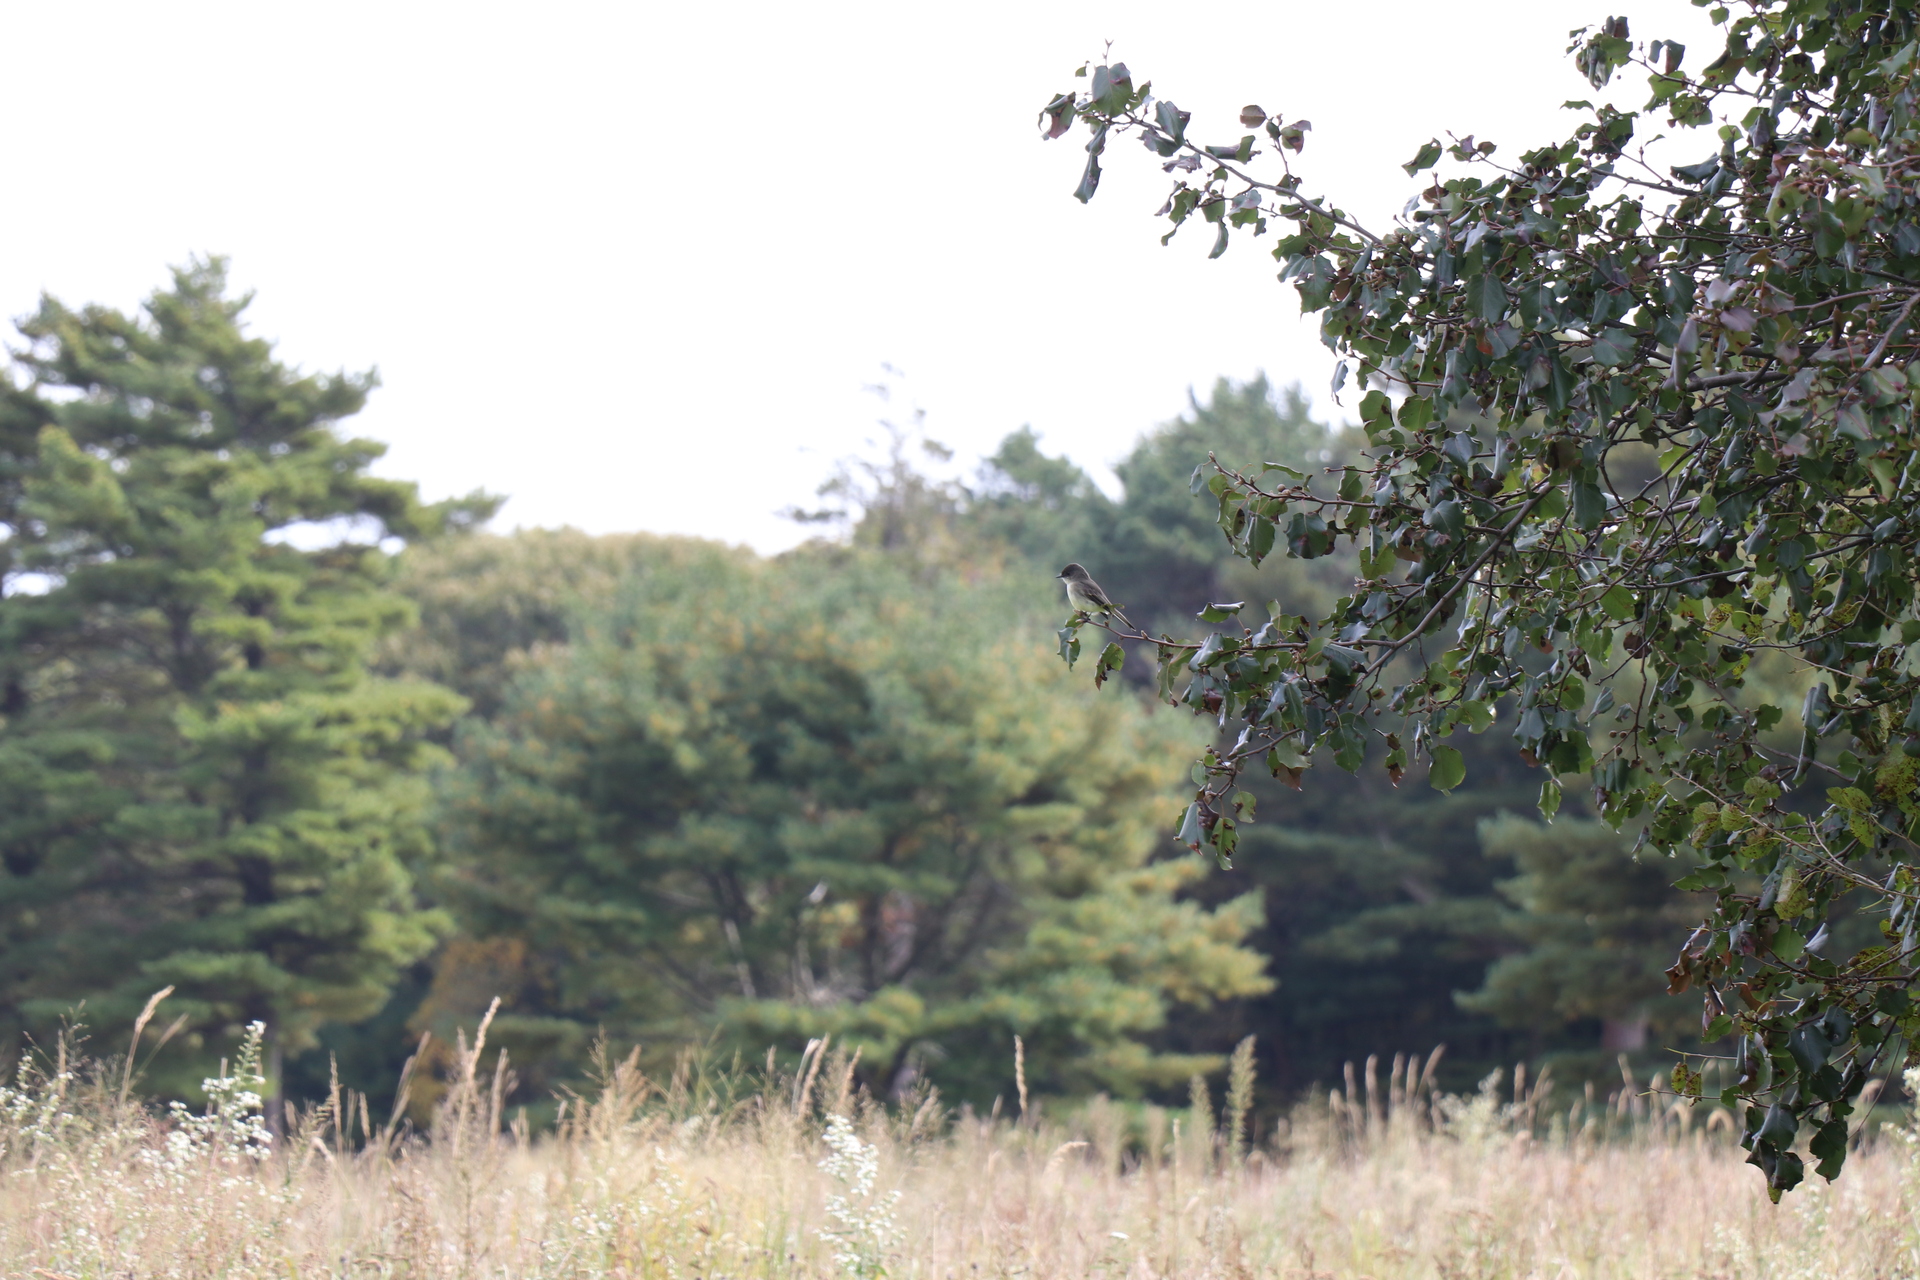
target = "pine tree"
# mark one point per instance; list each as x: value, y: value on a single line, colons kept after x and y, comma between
x: 817, y: 796
x: 1595, y: 928
x: 200, y: 783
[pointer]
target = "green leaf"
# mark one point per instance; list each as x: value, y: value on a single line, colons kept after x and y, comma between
x: 1829, y: 1146
x: 1449, y: 769
x: 1377, y: 564
x: 1192, y: 834
x: 1589, y: 504
x: 1415, y: 413
x: 1376, y: 411
x: 1613, y: 347
x: 1788, y: 1173
x: 1058, y: 115
x: 1549, y: 803
x: 1476, y: 714
x: 1618, y: 602
x: 1428, y: 155
x: 1448, y: 517
x: 1260, y: 539
x: 1349, y: 742
x: 1778, y: 1126
x: 1089, y: 180
x: 1698, y: 173
x: 1208, y: 652
x: 1172, y: 120
x: 1286, y: 754
x: 1486, y: 298
x: 1112, y: 88
x: 1070, y: 643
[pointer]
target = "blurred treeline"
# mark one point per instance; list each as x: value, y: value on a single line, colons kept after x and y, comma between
x: 281, y: 736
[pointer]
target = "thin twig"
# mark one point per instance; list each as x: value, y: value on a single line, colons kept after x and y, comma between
x: 1892, y: 329
x: 1460, y: 581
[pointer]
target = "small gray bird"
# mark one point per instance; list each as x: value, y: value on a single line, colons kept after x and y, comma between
x: 1084, y: 594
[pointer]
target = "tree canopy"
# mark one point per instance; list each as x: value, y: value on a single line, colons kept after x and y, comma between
x: 810, y: 797
x: 280, y: 831
x: 1630, y: 425
x: 201, y: 783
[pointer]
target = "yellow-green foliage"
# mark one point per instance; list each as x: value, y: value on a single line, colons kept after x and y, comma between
x: 818, y: 795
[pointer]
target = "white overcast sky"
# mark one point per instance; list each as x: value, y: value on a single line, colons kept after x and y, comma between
x: 632, y: 264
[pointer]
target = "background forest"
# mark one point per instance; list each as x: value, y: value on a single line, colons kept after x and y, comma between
x: 283, y: 737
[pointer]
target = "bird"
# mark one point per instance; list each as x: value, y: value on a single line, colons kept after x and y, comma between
x: 1084, y: 594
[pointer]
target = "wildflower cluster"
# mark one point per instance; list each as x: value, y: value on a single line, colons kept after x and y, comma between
x: 33, y: 1109
x: 233, y: 1127
x: 863, y: 1226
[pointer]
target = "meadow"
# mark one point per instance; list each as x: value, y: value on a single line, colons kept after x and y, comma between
x: 730, y: 1173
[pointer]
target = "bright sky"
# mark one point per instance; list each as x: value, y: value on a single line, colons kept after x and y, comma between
x: 632, y: 264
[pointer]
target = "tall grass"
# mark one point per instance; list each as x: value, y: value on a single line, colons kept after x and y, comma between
x: 732, y: 1174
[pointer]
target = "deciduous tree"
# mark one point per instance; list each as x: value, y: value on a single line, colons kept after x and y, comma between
x: 1520, y: 341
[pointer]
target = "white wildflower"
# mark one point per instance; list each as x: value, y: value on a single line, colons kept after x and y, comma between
x: 233, y: 1128
x: 863, y: 1227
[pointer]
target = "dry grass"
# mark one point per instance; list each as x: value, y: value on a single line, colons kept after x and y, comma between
x: 692, y: 1178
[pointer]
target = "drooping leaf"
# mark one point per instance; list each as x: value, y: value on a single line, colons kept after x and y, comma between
x: 1449, y: 769
x: 1612, y: 347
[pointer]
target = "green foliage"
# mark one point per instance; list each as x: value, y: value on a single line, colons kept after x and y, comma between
x: 1380, y: 908
x: 668, y: 738
x: 1170, y: 545
x: 200, y: 783
x: 1045, y: 508
x: 1596, y: 923
x: 1518, y: 338
x: 814, y: 796
x: 1156, y: 547
x: 1359, y: 875
x: 489, y: 605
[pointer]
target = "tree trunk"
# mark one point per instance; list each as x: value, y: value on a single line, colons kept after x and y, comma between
x: 1624, y: 1035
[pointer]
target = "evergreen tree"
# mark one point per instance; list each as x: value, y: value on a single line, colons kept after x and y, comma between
x: 813, y: 796
x: 1158, y: 548
x: 490, y: 605
x: 1597, y: 928
x: 1380, y: 907
x: 1166, y: 542
x: 1046, y: 509
x: 200, y: 783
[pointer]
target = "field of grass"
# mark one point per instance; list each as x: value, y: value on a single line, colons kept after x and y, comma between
x: 715, y: 1176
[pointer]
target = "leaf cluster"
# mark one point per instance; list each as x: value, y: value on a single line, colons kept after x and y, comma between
x: 1630, y: 428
